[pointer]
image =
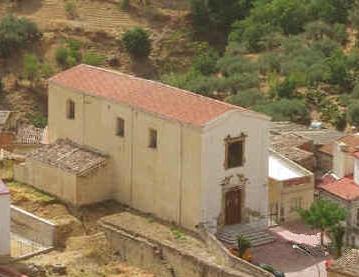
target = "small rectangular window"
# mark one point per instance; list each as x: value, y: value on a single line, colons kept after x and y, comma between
x: 120, y: 127
x: 152, y: 139
x: 234, y: 152
x: 70, y: 109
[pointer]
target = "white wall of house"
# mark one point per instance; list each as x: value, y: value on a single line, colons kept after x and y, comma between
x: 4, y: 221
x: 255, y: 168
x: 343, y: 162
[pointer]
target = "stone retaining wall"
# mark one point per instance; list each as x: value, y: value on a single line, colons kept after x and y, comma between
x: 32, y: 227
x: 226, y: 257
x: 165, y: 260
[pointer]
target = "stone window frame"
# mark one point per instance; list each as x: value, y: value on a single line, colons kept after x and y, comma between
x: 120, y: 127
x: 228, y: 140
x: 70, y: 109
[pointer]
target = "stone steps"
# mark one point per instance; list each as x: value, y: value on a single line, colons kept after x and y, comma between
x: 257, y: 235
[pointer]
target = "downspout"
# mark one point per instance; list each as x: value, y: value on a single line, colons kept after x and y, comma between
x: 131, y: 164
x: 180, y: 176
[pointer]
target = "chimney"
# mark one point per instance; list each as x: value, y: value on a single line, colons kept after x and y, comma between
x: 343, y: 161
x: 4, y: 222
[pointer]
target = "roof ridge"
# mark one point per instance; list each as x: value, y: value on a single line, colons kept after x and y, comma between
x: 166, y: 85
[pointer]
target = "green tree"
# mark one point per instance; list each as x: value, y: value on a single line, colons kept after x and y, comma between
x: 323, y: 215
x: 137, y: 42
x: 16, y: 33
x: 61, y: 56
x: 337, y: 233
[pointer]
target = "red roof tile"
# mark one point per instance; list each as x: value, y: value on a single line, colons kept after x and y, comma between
x: 147, y: 95
x: 344, y: 188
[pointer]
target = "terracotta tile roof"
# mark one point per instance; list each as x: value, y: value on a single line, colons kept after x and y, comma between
x: 69, y: 157
x: 344, y: 188
x: 352, y: 141
x: 348, y: 264
x: 144, y: 94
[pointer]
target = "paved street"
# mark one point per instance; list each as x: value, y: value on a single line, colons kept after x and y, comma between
x: 282, y: 256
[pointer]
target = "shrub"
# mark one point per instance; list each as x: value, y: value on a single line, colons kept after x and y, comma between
x: 124, y: 5
x: 93, y: 58
x: 247, y: 98
x: 137, y: 42
x: 70, y: 8
x: 46, y: 70
x: 243, y: 244
x: 206, y: 62
x: 286, y: 88
x: 61, y: 56
x: 286, y: 110
x: 74, y: 47
x: 38, y: 120
x: 31, y: 67
x: 15, y: 33
x: 353, y: 113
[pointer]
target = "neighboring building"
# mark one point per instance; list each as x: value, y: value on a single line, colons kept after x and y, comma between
x: 181, y: 156
x: 342, y: 186
x: 325, y: 153
x: 296, y: 148
x: 4, y: 221
x: 345, y: 266
x: 291, y: 186
x: 303, y: 145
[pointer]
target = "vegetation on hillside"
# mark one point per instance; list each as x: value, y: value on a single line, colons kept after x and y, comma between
x: 286, y: 58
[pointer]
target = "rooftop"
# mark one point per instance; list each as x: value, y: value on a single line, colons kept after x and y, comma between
x: 318, y: 136
x: 347, y: 264
x: 281, y: 169
x: 290, y: 145
x: 352, y: 141
x: 69, y: 157
x: 344, y: 188
x: 150, y: 96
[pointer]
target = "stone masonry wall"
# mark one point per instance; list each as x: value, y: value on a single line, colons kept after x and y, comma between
x: 165, y: 260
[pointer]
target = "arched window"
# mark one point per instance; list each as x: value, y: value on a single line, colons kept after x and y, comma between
x: 70, y: 109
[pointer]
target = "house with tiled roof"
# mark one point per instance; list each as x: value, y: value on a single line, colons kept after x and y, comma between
x: 181, y: 156
x: 342, y: 185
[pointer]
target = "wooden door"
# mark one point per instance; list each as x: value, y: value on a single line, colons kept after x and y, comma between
x: 233, y: 207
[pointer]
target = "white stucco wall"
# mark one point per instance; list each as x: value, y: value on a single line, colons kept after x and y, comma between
x: 255, y: 168
x: 4, y: 223
x: 343, y: 162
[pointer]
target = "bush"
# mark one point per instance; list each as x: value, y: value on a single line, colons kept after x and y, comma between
x: 124, y: 5
x: 137, y: 42
x: 38, y: 120
x: 247, y: 98
x: 61, y: 56
x: 93, y: 58
x: 286, y: 88
x: 243, y: 244
x: 286, y: 110
x: 353, y: 113
x: 70, y: 8
x: 31, y: 67
x: 206, y: 62
x: 46, y: 70
x: 16, y: 33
